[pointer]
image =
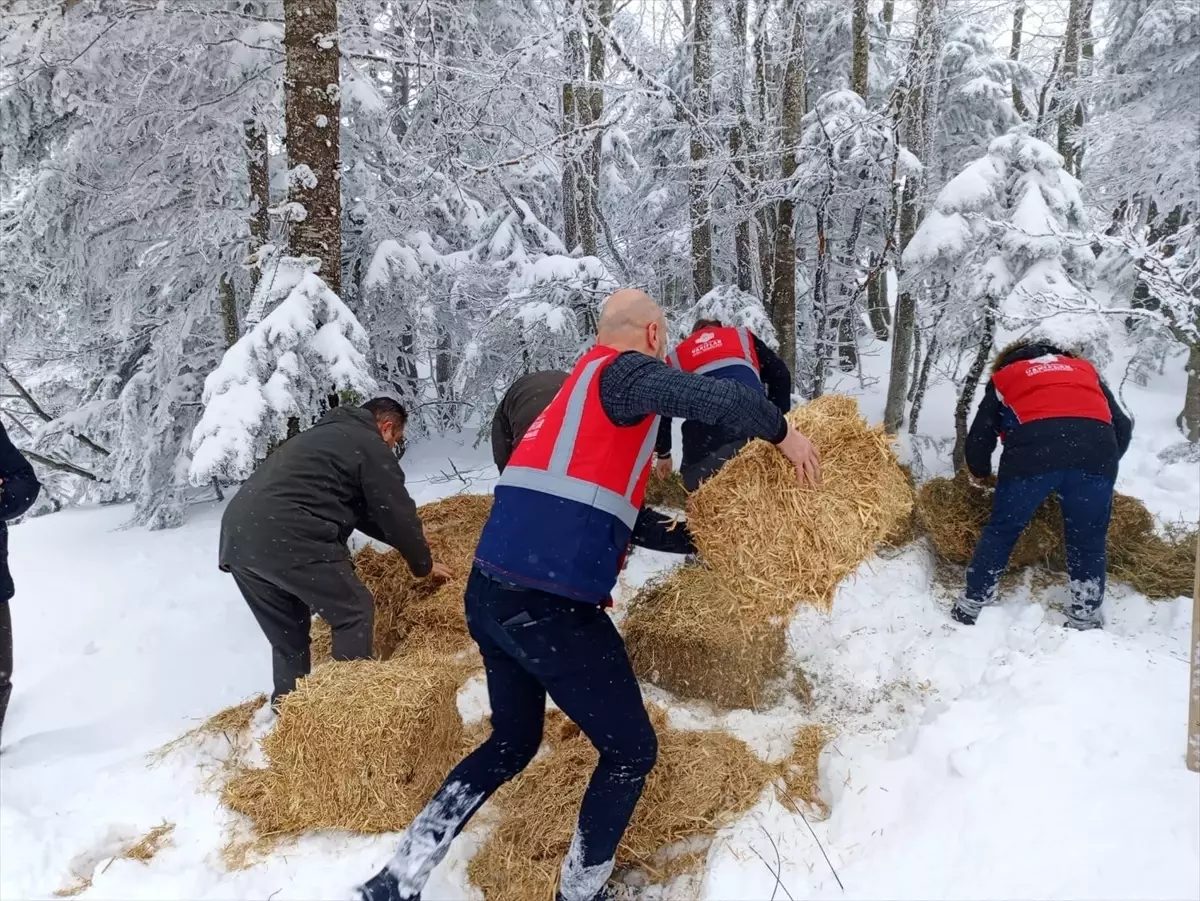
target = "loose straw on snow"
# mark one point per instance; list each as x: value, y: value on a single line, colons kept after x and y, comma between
x: 702, y: 781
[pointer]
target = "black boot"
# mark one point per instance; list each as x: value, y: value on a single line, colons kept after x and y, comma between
x: 961, y: 616
x: 383, y: 887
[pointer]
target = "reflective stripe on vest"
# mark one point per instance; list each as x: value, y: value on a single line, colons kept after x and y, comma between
x: 555, y: 481
x: 747, y: 358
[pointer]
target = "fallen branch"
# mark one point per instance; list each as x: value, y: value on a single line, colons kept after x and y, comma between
x: 61, y: 466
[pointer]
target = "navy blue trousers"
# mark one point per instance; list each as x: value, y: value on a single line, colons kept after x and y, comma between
x: 536, y: 644
x: 1086, y: 501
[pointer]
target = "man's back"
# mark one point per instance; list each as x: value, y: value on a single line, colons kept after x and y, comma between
x: 524, y: 401
x: 305, y: 499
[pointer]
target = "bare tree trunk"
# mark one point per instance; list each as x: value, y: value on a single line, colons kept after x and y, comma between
x: 1014, y: 53
x: 597, y: 53
x: 701, y: 103
x: 889, y: 16
x: 921, y: 64
x: 572, y: 103
x: 918, y: 399
x: 967, y: 395
x: 765, y: 218
x: 229, y: 314
x: 258, y: 162
x: 878, y: 309
x: 1068, y: 111
x: 861, y: 60
x: 783, y: 295
x: 313, y: 110
x: 1189, y: 418
x: 740, y: 135
x: 1088, y: 55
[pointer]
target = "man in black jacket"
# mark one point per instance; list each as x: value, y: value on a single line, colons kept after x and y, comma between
x: 18, y: 490
x: 1063, y: 434
x: 284, y: 534
x: 706, y: 448
x: 522, y: 403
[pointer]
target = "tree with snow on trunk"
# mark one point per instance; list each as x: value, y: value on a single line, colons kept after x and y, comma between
x: 1004, y: 250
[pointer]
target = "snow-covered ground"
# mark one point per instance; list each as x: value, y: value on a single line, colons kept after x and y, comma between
x: 1012, y: 760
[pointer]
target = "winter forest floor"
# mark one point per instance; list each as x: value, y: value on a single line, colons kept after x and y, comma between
x: 1012, y: 760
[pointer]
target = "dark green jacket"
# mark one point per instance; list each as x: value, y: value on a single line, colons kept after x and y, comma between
x: 305, y: 499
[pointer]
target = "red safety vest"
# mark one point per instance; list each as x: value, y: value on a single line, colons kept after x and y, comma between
x: 1051, y: 387
x: 716, y: 348
x: 572, y: 463
x: 574, y: 451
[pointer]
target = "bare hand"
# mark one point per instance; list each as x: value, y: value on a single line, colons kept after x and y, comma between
x: 800, y: 451
x: 663, y: 468
x: 440, y: 573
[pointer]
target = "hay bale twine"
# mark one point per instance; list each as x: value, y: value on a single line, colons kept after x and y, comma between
x: 702, y: 780
x: 694, y: 635
x: 410, y: 612
x: 668, y: 492
x: 783, y: 544
x: 360, y: 745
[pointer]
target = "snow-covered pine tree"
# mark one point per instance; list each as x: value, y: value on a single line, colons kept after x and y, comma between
x: 1005, y: 250
x: 731, y: 306
x: 285, y: 367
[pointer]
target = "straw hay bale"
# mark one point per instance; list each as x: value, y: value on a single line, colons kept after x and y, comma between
x: 702, y: 780
x: 412, y: 612
x: 359, y: 745
x: 694, y: 635
x: 953, y: 512
x: 756, y: 527
x: 668, y: 492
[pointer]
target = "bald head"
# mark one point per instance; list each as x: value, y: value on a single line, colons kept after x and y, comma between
x: 631, y: 320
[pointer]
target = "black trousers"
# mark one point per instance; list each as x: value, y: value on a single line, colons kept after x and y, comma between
x: 536, y: 644
x: 284, y: 600
x: 695, y: 472
x: 6, y: 659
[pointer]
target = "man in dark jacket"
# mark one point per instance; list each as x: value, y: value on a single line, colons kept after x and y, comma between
x: 284, y: 534
x: 718, y: 353
x: 18, y: 490
x: 1063, y: 434
x: 522, y: 403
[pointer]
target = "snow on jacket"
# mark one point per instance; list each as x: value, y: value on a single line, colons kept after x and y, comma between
x: 17, y: 493
x: 309, y: 495
x: 1052, y: 411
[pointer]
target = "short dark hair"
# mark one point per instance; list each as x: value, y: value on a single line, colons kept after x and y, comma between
x: 706, y: 323
x: 387, y: 408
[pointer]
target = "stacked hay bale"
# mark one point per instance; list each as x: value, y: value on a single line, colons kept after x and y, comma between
x: 412, y: 612
x: 701, y: 781
x: 954, y: 511
x: 717, y: 633
x: 360, y: 745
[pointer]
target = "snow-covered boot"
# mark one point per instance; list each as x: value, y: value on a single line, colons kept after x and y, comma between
x: 383, y: 887
x: 961, y: 616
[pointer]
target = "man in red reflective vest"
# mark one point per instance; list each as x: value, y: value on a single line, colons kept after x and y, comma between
x: 546, y: 564
x: 723, y: 352
x: 1063, y: 434
x: 520, y: 407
